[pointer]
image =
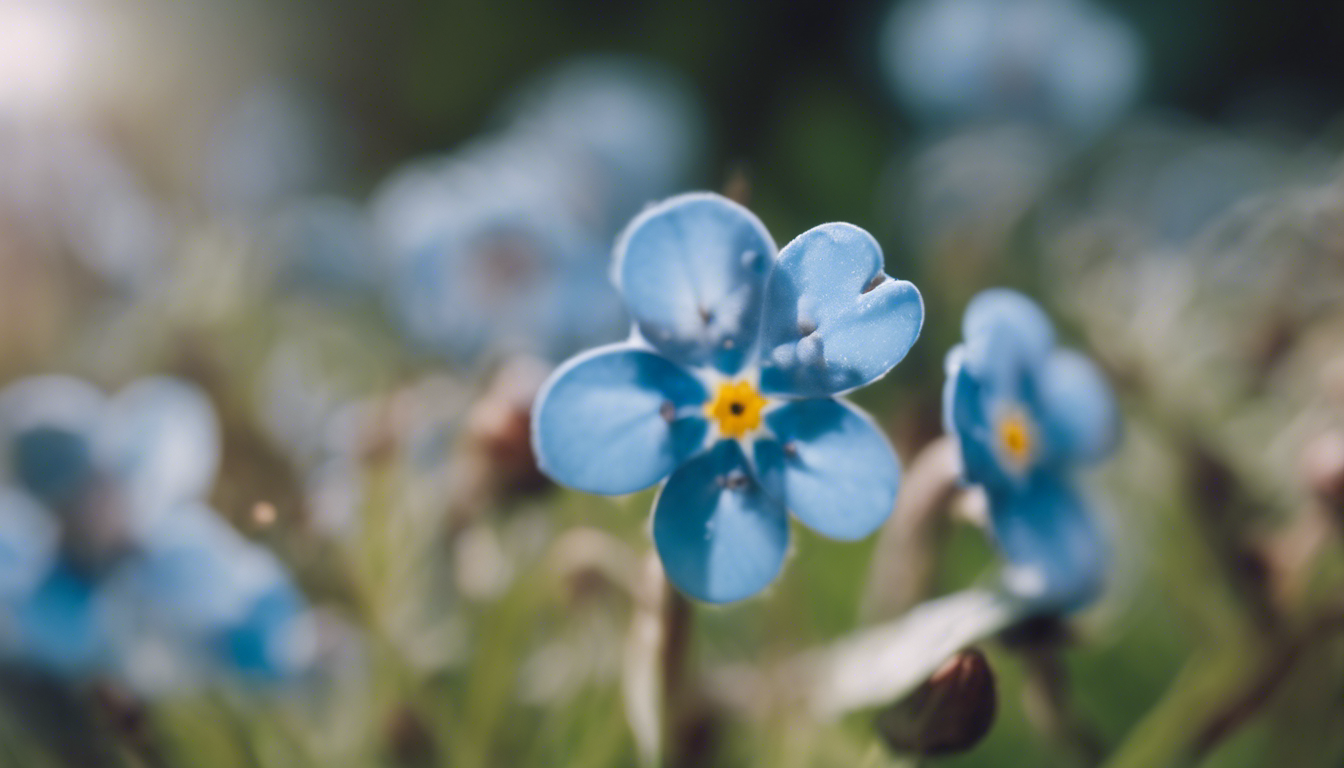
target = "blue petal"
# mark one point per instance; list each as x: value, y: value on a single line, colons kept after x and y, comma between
x: 29, y: 537
x: 161, y: 438
x: 60, y: 626
x: 266, y: 644
x: 834, y: 321
x: 721, y: 537
x: 616, y: 420
x: 46, y: 425
x: 830, y: 466
x: 1005, y: 332
x: 194, y: 573
x: 692, y: 270
x: 1077, y: 409
x: 966, y: 414
x: 1058, y: 556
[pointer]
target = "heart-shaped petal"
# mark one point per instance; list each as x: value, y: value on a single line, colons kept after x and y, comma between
x: 833, y: 320
x: 692, y: 270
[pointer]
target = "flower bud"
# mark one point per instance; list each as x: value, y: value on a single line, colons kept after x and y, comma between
x: 949, y: 713
x: 410, y: 741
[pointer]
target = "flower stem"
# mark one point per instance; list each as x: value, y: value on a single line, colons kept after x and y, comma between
x: 905, y: 559
x: 656, y: 681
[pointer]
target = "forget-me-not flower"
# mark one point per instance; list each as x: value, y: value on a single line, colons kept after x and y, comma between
x: 1065, y: 64
x: 727, y: 390
x: 1026, y: 414
x: 110, y: 562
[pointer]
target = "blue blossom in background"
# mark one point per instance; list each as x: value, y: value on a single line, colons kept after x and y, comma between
x: 110, y: 563
x: 501, y: 247
x: 1026, y: 415
x: 483, y: 253
x: 1063, y: 64
x: 637, y: 126
x: 727, y: 390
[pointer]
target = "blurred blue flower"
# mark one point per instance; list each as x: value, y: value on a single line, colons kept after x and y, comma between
x: 639, y: 125
x: 1065, y: 64
x: 501, y: 247
x: 727, y: 390
x: 484, y: 253
x: 109, y: 561
x: 1025, y: 414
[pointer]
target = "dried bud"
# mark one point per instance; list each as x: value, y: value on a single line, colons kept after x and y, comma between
x: 410, y: 741
x: 949, y: 713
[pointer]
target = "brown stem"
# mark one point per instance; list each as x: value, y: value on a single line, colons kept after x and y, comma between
x: 658, y: 690
x: 905, y: 559
x: 1219, y: 497
x: 1276, y: 669
x: 1047, y: 686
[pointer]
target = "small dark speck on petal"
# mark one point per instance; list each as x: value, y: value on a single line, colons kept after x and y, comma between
x: 668, y: 411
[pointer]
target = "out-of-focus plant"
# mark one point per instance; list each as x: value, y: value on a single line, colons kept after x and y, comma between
x: 117, y: 566
x: 502, y: 245
x: 1067, y: 65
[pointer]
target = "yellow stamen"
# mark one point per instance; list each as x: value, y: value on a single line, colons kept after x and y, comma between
x: 736, y: 408
x: 1017, y: 439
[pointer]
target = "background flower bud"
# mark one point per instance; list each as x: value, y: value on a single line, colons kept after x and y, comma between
x: 949, y: 713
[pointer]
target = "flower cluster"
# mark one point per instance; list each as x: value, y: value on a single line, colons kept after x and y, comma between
x: 113, y: 564
x: 727, y: 390
x: 1025, y: 415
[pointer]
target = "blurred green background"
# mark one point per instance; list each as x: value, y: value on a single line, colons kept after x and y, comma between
x: 458, y: 636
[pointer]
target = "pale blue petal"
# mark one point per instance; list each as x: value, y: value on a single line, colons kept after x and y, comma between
x: 29, y: 537
x: 1077, y: 409
x: 46, y: 426
x: 834, y: 321
x: 160, y: 437
x: 1057, y: 554
x: 967, y: 417
x: 693, y: 270
x: 194, y: 573
x: 830, y: 466
x: 616, y: 420
x: 268, y: 642
x: 59, y: 627
x: 721, y: 537
x: 1005, y: 332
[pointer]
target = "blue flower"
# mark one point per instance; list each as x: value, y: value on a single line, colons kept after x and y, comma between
x: 485, y: 254
x: 1025, y: 415
x: 502, y: 246
x: 1062, y: 63
x: 110, y: 563
x: 727, y: 390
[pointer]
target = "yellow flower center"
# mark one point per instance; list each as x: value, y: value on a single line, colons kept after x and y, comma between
x: 1017, y: 439
x: 736, y: 409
